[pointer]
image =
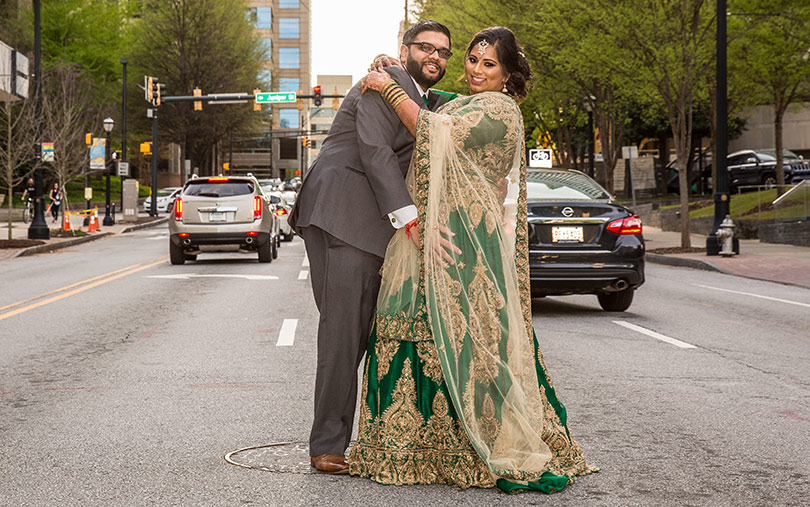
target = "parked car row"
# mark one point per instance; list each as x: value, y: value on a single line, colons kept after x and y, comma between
x: 746, y: 168
x: 236, y: 210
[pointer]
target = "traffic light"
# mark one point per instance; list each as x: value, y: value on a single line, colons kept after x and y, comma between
x: 197, y: 103
x: 148, y: 85
x: 316, y: 96
x: 256, y: 105
x: 299, y: 102
x: 305, y: 142
x: 88, y: 138
x: 157, y: 88
x: 335, y: 100
x: 146, y: 148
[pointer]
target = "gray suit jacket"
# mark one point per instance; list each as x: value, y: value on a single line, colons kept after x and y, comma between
x: 359, y: 175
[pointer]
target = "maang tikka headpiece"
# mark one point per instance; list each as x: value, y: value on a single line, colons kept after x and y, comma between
x: 482, y: 47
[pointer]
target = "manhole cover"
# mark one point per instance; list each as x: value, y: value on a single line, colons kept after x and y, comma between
x: 283, y: 457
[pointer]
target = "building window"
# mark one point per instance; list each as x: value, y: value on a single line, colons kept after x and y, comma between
x: 262, y: 17
x: 267, y: 47
x: 289, y: 84
x: 289, y: 28
x: 289, y: 58
x: 288, y: 4
x: 288, y: 118
x: 250, y: 15
x: 265, y: 78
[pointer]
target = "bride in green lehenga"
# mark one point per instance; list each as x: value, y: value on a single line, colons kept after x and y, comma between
x: 455, y: 389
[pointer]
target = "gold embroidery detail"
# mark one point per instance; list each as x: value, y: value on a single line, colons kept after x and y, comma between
x: 431, y: 365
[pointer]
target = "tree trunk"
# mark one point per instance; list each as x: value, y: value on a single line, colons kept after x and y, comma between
x: 9, y: 172
x: 779, y: 113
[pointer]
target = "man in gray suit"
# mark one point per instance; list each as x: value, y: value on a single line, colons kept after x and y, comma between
x: 353, y: 199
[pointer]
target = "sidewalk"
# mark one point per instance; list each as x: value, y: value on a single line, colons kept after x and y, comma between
x: 763, y: 261
x: 20, y: 231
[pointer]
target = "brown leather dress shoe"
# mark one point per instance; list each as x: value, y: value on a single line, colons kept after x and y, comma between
x: 333, y: 464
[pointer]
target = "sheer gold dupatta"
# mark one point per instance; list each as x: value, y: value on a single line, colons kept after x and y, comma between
x: 473, y: 309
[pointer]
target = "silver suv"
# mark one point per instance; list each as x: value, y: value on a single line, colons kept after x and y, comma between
x: 220, y: 210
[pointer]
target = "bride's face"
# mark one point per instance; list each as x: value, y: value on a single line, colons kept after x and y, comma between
x: 484, y: 72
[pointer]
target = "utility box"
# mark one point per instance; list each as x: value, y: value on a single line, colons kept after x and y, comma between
x: 130, y: 200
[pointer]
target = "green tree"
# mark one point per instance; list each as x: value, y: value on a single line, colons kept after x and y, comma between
x: 775, y: 52
x: 197, y: 43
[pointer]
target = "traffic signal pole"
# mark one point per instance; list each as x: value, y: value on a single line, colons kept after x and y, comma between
x: 153, y: 204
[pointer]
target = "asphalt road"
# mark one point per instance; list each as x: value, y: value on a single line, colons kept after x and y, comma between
x: 124, y: 383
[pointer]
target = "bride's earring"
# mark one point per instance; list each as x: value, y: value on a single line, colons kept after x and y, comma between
x: 504, y: 88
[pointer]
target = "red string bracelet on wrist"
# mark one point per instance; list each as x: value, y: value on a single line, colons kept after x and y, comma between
x: 408, y: 227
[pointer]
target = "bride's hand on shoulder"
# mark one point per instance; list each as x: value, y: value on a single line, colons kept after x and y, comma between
x: 375, y: 81
x: 382, y: 61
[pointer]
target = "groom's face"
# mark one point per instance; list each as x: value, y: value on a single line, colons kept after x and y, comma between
x: 426, y: 68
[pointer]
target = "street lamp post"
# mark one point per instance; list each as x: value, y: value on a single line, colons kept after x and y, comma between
x: 721, y: 193
x: 38, y: 228
x: 124, y: 62
x: 108, y: 126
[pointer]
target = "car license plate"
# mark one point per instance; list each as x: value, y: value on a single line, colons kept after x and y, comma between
x: 567, y: 235
x: 216, y: 216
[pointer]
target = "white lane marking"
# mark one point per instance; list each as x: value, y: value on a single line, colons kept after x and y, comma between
x: 156, y: 238
x: 303, y: 275
x: 286, y: 337
x: 653, y: 334
x: 755, y: 295
x: 305, y: 264
x: 192, y: 275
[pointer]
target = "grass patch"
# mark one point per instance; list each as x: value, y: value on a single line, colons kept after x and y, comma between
x: 744, y: 205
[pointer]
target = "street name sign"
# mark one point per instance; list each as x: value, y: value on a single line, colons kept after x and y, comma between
x: 275, y: 97
x: 540, y: 158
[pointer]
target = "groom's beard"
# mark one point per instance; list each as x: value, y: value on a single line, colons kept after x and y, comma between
x: 415, y: 70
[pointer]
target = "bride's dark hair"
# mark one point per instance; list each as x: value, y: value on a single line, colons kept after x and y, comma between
x: 511, y: 56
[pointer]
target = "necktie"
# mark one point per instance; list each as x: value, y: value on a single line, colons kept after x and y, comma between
x: 424, y: 97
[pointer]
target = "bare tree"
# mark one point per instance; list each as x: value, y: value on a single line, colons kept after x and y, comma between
x: 18, y: 151
x: 67, y: 114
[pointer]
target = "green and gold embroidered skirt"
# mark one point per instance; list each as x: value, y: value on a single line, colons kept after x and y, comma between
x: 409, y: 432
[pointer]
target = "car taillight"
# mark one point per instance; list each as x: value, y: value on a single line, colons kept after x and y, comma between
x: 281, y: 211
x: 178, y: 210
x: 628, y: 225
x: 257, y: 208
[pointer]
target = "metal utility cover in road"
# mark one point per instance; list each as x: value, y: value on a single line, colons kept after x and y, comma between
x: 275, y: 97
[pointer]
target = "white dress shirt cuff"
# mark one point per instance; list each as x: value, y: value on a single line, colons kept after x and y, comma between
x: 399, y: 218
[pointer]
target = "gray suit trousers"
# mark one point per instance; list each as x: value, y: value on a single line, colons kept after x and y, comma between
x: 345, y: 283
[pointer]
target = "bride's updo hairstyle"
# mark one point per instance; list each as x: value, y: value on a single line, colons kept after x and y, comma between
x: 511, y: 56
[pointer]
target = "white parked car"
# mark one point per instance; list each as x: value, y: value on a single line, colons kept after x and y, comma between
x: 165, y: 199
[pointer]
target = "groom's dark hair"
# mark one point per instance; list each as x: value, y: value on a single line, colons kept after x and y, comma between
x: 426, y: 25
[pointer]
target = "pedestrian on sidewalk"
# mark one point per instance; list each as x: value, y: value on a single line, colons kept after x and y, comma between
x: 56, y: 201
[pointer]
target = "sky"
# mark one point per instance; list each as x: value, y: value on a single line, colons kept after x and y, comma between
x: 348, y: 34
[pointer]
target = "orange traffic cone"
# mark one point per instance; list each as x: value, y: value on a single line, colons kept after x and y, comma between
x: 95, y: 215
x: 66, y: 221
x: 93, y: 227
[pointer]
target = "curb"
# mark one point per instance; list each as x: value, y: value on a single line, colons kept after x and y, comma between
x: 56, y: 246
x: 681, y: 262
x: 84, y: 239
x: 153, y: 223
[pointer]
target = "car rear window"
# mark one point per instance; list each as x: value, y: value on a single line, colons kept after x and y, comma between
x: 207, y: 188
x: 562, y: 185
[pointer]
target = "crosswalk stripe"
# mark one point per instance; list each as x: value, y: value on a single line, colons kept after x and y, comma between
x: 303, y: 275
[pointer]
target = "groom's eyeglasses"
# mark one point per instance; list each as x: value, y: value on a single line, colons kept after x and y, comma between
x: 429, y: 49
